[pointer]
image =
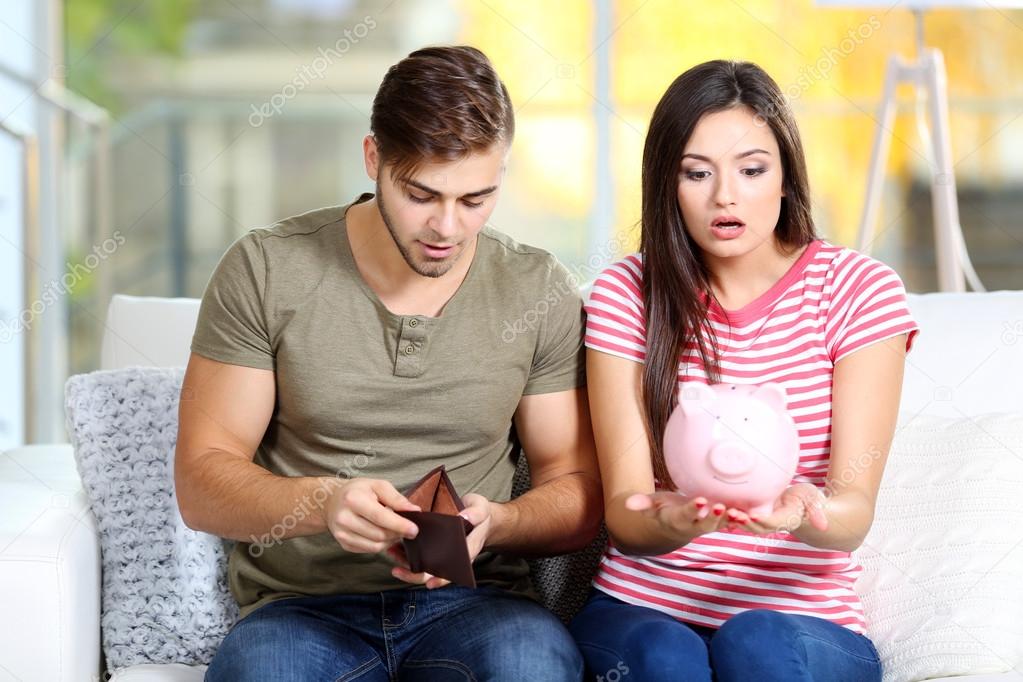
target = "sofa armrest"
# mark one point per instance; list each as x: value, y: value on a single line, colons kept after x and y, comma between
x: 49, y: 568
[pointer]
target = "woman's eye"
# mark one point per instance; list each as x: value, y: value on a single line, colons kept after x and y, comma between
x: 753, y: 172
x: 696, y: 175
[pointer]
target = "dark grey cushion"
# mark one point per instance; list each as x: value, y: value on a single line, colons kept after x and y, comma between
x: 562, y: 581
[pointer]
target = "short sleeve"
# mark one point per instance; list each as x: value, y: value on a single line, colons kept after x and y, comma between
x: 615, y: 321
x: 232, y: 326
x: 559, y: 362
x: 868, y: 304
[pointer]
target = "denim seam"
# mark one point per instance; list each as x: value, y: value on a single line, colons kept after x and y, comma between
x: 833, y: 645
x: 598, y: 647
x: 358, y: 672
x: 443, y: 663
x: 410, y: 612
x: 391, y: 662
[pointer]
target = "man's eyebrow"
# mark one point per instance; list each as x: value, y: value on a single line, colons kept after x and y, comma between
x: 742, y: 155
x: 436, y: 192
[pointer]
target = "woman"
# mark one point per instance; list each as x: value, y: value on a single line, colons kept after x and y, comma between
x: 689, y: 589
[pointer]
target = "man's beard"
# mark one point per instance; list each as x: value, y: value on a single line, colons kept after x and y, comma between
x: 427, y: 269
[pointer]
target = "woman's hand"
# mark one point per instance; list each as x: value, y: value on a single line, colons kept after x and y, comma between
x: 679, y: 515
x: 799, y: 503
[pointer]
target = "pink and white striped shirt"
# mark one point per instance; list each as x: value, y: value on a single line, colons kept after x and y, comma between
x: 832, y: 302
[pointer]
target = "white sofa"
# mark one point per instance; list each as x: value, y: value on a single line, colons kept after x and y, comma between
x: 968, y: 361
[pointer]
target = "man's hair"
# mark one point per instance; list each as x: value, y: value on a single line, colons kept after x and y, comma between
x: 439, y: 104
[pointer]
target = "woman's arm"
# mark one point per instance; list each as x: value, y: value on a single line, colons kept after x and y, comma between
x: 648, y: 523
x: 865, y: 395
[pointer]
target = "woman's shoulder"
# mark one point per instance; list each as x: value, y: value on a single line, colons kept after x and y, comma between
x: 624, y: 276
x: 845, y: 266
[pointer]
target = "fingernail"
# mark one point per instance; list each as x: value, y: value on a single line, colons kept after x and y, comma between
x: 719, y: 512
x: 700, y: 504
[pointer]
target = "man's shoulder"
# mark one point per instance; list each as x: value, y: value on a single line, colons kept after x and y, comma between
x: 519, y: 262
x: 310, y: 223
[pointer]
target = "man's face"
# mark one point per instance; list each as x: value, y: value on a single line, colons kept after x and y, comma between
x: 435, y: 214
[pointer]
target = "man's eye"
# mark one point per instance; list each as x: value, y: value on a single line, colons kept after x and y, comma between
x: 420, y: 200
x: 472, y: 204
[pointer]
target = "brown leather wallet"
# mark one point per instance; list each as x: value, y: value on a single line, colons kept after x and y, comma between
x: 440, y: 547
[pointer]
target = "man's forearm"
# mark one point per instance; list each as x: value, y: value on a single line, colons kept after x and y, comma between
x: 559, y: 516
x: 238, y: 499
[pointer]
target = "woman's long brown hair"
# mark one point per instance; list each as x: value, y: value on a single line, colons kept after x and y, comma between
x: 674, y: 272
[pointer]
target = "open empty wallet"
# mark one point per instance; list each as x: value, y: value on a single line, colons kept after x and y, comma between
x: 440, y: 547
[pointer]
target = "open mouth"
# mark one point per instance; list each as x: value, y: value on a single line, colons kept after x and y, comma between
x: 727, y: 223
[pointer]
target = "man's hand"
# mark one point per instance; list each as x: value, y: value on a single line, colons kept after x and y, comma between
x: 480, y: 512
x: 361, y: 515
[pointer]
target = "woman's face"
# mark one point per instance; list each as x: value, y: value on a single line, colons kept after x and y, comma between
x: 730, y: 184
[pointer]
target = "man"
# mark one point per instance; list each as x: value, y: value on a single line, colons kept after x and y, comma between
x: 342, y: 354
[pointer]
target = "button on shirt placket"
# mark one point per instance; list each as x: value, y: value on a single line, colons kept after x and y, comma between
x: 411, y: 345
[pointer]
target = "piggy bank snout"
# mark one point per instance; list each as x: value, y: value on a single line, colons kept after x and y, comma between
x: 730, y: 460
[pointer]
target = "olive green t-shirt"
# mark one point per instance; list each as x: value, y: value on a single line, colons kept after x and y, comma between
x: 362, y: 392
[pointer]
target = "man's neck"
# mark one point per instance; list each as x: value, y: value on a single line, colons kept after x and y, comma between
x: 401, y: 289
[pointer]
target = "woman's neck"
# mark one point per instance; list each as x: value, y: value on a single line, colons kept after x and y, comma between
x: 737, y: 282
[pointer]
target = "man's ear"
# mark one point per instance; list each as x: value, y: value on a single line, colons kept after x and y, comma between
x: 371, y: 157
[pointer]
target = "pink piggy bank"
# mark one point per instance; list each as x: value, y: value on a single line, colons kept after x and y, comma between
x: 732, y: 444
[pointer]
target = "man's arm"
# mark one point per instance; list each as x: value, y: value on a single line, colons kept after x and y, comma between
x: 563, y: 509
x: 223, y: 414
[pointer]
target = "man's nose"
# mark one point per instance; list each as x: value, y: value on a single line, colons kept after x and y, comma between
x: 445, y: 221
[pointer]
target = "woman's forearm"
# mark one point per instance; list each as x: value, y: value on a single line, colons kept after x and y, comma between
x: 849, y: 515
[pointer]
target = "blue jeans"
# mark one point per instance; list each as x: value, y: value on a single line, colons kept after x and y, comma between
x: 450, y: 634
x: 621, y: 642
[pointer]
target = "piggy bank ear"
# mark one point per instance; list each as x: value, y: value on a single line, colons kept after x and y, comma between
x: 695, y: 398
x: 773, y: 394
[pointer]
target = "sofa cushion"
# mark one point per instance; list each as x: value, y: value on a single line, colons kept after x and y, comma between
x: 165, y: 597
x: 942, y: 581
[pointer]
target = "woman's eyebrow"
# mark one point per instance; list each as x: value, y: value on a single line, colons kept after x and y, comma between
x: 741, y: 155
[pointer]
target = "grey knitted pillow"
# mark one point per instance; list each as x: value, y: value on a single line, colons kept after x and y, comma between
x: 165, y: 595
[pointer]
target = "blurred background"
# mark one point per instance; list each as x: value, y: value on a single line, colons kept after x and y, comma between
x: 138, y: 139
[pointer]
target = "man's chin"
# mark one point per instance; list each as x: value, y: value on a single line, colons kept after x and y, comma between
x: 433, y: 268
